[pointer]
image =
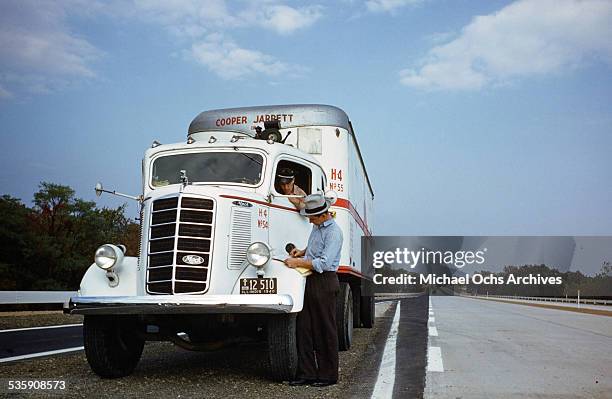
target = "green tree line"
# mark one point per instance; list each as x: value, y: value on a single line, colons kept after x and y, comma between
x: 50, y: 245
x: 599, y: 285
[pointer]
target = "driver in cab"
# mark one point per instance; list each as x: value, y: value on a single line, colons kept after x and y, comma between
x: 285, y: 179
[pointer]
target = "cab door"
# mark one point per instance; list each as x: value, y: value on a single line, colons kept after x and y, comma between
x: 286, y: 225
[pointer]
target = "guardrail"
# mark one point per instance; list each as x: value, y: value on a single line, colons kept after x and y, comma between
x: 32, y: 297
x: 578, y: 301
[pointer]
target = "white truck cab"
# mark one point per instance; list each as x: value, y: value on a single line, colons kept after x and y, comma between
x: 214, y: 232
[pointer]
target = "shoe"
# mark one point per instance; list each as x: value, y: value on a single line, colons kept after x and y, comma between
x: 300, y: 382
x: 323, y: 383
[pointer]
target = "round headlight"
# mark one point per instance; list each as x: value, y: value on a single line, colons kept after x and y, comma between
x: 107, y: 256
x: 258, y: 254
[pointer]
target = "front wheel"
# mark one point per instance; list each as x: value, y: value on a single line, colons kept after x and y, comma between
x: 113, y: 345
x: 282, y: 346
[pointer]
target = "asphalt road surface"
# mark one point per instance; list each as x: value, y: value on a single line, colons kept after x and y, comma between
x: 502, y: 350
x: 18, y: 344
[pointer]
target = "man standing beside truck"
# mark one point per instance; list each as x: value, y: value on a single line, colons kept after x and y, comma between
x: 317, y: 337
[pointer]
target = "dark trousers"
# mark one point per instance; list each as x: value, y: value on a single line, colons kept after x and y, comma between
x: 317, y: 336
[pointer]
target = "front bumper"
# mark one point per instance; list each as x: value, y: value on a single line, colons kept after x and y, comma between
x: 169, y: 304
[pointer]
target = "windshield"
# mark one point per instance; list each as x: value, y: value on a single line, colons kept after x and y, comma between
x: 208, y: 167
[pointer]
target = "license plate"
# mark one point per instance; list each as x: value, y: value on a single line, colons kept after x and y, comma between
x: 258, y: 285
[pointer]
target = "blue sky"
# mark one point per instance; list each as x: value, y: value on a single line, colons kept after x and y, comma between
x: 474, y: 117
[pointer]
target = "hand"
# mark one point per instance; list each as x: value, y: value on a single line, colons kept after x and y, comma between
x: 292, y: 262
x: 296, y: 253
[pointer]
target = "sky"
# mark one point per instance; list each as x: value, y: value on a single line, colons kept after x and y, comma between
x: 473, y: 117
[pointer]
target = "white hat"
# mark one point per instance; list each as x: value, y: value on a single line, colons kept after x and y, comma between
x: 316, y: 204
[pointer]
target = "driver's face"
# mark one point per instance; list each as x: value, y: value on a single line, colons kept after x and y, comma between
x: 287, y: 188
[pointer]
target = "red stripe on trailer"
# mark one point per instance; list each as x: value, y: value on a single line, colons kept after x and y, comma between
x: 350, y: 270
x: 344, y: 203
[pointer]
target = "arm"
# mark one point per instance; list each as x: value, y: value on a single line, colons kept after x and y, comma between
x: 299, y: 262
x: 331, y: 251
x: 298, y: 202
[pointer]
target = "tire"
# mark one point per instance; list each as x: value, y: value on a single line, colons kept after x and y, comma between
x: 112, y: 345
x: 367, y: 311
x: 344, y: 317
x: 282, y: 347
x: 356, y: 293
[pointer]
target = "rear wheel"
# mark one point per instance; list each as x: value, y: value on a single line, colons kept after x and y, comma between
x: 282, y: 347
x: 113, y: 345
x: 367, y: 311
x: 356, y: 293
x: 344, y: 317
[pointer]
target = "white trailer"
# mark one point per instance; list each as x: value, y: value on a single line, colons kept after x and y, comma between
x: 214, y: 233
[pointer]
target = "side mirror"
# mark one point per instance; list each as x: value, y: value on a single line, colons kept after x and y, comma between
x: 331, y: 195
x: 99, y: 189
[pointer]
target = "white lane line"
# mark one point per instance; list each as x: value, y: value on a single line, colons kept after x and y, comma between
x: 431, y: 313
x: 40, y: 354
x: 386, y: 373
x: 433, y: 332
x: 431, y: 319
x: 434, y: 359
x: 40, y: 328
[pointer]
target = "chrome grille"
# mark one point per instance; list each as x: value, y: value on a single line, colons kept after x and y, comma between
x: 163, y: 217
x: 168, y: 203
x: 176, y: 232
x: 196, y: 216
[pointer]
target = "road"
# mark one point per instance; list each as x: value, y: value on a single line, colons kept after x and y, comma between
x: 432, y: 347
x: 18, y: 344
x: 503, y: 350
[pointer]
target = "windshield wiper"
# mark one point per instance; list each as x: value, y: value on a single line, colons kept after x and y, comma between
x: 260, y: 163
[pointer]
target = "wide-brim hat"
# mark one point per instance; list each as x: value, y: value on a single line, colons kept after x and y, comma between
x: 316, y: 204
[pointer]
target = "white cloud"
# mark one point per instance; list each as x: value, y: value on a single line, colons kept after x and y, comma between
x: 37, y: 46
x: 198, y: 18
x: 40, y: 53
x: 205, y: 24
x: 526, y: 38
x: 191, y: 18
x: 389, y: 6
x: 285, y: 20
x: 229, y: 61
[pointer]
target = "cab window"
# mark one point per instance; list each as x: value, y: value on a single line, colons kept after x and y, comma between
x: 301, y: 173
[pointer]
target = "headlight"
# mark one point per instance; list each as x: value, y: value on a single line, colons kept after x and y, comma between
x: 258, y: 254
x: 107, y: 256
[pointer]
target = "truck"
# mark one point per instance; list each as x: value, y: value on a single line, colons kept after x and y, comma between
x: 215, y: 229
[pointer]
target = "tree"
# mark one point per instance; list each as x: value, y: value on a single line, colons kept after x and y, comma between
x: 13, y: 239
x: 51, y: 245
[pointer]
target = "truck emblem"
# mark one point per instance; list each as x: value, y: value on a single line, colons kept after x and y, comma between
x: 193, y: 259
x: 243, y: 203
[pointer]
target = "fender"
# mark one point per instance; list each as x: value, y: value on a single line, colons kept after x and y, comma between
x: 95, y: 282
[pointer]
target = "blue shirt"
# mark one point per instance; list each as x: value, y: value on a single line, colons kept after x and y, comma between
x: 324, y: 245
